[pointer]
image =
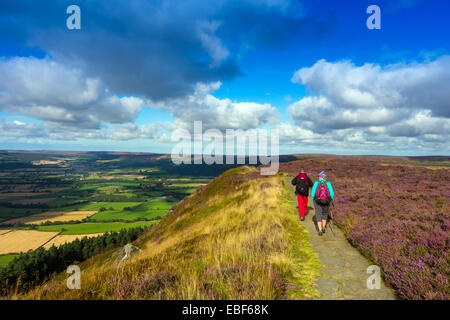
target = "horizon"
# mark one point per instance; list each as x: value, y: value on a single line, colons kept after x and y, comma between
x: 127, y: 76
x: 55, y: 151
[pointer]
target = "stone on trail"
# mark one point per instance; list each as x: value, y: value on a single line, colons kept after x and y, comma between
x: 126, y: 252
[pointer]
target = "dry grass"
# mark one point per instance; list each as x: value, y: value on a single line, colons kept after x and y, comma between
x: 62, y: 239
x: 58, y: 162
x: 23, y: 240
x: 52, y: 217
x: 4, y: 231
x: 46, y: 162
x: 237, y: 238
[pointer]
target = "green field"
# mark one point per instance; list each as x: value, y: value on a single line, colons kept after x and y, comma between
x: 130, y: 211
x: 12, y: 213
x: 5, y: 259
x: 126, y: 190
x: 86, y: 228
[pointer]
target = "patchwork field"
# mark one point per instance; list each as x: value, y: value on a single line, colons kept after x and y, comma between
x: 23, y: 240
x: 62, y: 239
x: 132, y: 211
x: 88, y: 228
x: 52, y: 217
x: 87, y: 194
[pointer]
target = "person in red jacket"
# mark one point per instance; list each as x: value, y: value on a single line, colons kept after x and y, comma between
x: 302, y: 184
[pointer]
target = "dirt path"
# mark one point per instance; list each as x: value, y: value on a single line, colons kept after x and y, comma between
x: 344, y: 270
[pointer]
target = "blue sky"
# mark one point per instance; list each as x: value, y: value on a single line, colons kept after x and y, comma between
x: 138, y: 70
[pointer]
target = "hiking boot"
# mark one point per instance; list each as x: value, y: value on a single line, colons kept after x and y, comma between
x: 323, y: 230
x: 320, y: 233
x: 302, y: 218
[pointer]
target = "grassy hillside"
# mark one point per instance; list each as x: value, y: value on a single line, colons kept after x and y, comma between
x: 236, y: 238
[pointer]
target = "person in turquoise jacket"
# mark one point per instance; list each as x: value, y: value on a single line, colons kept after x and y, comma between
x: 322, y: 206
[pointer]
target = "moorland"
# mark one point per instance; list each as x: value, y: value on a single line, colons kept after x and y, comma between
x: 208, y: 233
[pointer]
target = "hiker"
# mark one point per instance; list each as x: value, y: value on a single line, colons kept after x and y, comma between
x: 322, y: 195
x: 302, y: 184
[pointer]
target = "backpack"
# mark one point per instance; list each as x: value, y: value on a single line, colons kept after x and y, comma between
x: 322, y: 193
x: 302, y: 186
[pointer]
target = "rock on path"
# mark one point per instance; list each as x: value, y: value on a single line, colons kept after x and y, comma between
x: 343, y: 274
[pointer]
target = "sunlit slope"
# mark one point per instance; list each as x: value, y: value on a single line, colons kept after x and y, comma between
x: 236, y: 238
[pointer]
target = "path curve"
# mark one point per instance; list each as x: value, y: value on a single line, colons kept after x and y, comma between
x: 343, y: 272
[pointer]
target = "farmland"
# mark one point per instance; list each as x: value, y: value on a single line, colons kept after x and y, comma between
x: 54, y: 197
x: 87, y: 228
x: 52, y: 217
x: 85, y: 193
x: 23, y: 240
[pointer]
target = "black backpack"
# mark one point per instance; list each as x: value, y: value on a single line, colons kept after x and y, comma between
x: 302, y: 186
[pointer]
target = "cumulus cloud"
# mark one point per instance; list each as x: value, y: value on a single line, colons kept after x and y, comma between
x: 417, y: 86
x: 48, y: 130
x: 222, y: 114
x: 73, y: 106
x: 128, y: 131
x: 212, y: 44
x: 46, y: 90
x: 155, y: 131
x: 292, y: 134
x: 157, y: 49
x: 376, y: 104
x: 169, y: 54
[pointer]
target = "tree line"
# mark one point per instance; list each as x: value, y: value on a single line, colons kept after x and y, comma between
x: 34, y: 267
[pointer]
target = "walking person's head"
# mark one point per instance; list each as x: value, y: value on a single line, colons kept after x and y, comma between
x: 323, y: 175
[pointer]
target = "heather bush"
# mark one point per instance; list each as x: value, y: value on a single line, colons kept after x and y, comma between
x: 396, y: 215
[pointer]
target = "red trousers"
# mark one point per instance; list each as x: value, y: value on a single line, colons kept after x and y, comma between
x: 302, y: 205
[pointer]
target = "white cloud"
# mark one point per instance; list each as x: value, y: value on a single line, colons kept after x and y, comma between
x: 46, y: 90
x: 292, y: 134
x: 129, y: 131
x: 397, y: 107
x: 378, y: 106
x: 155, y: 131
x: 73, y: 106
x: 416, y: 86
x: 211, y: 43
x: 218, y: 113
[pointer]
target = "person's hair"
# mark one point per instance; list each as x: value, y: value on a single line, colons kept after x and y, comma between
x: 302, y: 170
